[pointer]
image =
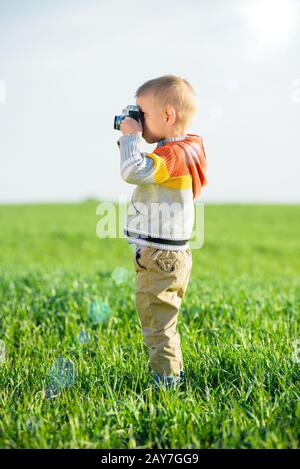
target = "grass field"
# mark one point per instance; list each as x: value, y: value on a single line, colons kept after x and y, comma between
x: 73, y: 367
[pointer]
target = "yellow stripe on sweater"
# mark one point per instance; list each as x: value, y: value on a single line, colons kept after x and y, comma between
x: 179, y: 182
x: 161, y: 173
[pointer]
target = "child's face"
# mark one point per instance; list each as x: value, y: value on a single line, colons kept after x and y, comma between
x: 155, y: 124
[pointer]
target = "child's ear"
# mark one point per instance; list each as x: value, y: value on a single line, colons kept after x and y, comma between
x: 170, y: 114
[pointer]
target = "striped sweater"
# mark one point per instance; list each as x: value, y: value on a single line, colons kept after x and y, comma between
x: 168, y: 180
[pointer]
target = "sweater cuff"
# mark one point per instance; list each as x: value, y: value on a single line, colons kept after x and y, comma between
x: 129, y: 144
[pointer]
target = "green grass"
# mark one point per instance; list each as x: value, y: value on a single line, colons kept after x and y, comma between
x: 238, y: 323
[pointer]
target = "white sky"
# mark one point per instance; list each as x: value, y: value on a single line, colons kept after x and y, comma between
x: 67, y: 67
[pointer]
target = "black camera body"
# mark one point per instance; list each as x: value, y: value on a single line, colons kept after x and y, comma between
x: 130, y: 111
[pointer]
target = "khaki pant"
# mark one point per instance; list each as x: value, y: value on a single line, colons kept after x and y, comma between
x: 162, y: 278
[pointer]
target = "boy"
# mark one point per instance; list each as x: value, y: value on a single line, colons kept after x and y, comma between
x: 171, y: 177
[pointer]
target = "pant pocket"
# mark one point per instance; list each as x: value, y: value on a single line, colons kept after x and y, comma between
x: 138, y: 257
x: 166, y: 261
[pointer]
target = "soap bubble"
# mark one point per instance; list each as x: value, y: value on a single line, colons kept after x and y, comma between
x: 52, y: 391
x: 2, y: 351
x: 32, y: 424
x: 83, y: 337
x: 120, y: 275
x: 98, y: 311
x: 62, y: 374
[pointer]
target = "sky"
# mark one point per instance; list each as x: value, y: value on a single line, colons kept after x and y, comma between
x: 68, y: 67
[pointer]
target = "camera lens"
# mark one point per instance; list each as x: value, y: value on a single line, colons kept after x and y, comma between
x: 117, y: 122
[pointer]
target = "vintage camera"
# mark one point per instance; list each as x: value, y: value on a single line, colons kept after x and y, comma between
x: 130, y: 111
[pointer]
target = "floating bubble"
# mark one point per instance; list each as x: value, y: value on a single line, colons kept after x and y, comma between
x: 52, y: 391
x: 62, y: 374
x: 98, y: 311
x: 33, y: 424
x: 120, y: 275
x: 2, y: 351
x: 83, y: 337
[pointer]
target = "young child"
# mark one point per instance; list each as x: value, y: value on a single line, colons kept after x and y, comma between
x: 168, y: 181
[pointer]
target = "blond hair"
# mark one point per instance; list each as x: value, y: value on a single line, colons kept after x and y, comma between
x: 171, y: 90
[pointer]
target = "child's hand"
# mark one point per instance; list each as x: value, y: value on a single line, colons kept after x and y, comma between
x: 129, y: 125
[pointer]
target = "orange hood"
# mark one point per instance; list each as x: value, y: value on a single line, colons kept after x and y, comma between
x: 191, y: 158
